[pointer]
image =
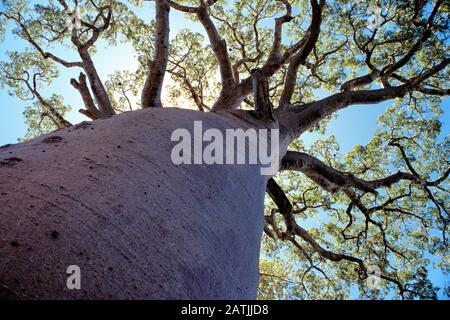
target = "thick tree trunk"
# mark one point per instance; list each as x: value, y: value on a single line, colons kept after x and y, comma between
x: 106, y: 196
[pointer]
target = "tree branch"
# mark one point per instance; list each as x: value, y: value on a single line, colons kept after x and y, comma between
x: 91, y: 110
x: 263, y: 106
x: 218, y: 44
x: 333, y: 180
x: 301, y: 56
x: 293, y: 229
x: 151, y: 93
x: 302, y: 117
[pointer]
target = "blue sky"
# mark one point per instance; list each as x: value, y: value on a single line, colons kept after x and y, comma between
x: 108, y: 60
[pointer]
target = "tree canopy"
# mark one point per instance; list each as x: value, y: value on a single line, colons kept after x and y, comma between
x: 361, y: 224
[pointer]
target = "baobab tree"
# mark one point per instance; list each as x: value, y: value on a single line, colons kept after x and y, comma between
x: 104, y: 194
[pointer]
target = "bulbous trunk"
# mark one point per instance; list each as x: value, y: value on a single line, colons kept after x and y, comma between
x: 106, y: 196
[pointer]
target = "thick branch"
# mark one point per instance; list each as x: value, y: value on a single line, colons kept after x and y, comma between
x: 334, y: 180
x: 219, y: 48
x: 300, y: 57
x: 218, y: 44
x: 91, y: 110
x: 303, y: 117
x: 151, y: 94
x: 263, y: 106
x: 276, y: 46
x: 97, y: 87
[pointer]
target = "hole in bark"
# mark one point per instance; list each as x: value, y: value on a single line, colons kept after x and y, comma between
x: 118, y: 147
x: 54, y: 234
x: 52, y: 139
x: 14, y: 244
x: 10, y: 162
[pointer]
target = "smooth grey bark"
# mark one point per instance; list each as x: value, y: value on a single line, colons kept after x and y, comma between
x: 105, y: 196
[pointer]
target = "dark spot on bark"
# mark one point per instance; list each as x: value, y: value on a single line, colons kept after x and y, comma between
x: 43, y: 150
x: 159, y: 185
x: 91, y: 167
x: 5, y: 146
x: 10, y: 162
x: 54, y: 234
x: 52, y: 139
x: 14, y: 244
x: 118, y: 147
x: 107, y: 156
x: 3, y: 193
x: 145, y: 192
x: 129, y: 141
x: 31, y: 206
x: 110, y: 268
x: 17, y: 281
